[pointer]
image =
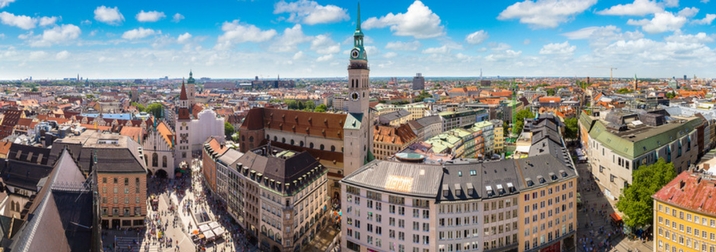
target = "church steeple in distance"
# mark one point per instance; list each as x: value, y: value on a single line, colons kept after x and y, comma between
x: 358, y: 73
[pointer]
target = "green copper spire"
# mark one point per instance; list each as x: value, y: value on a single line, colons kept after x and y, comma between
x: 358, y: 52
x: 358, y: 21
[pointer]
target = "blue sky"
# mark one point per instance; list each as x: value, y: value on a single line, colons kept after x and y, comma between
x: 241, y: 39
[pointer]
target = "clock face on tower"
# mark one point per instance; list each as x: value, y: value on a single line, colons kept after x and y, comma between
x: 355, y: 96
x: 355, y: 53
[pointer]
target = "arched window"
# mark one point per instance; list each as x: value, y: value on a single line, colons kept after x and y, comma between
x: 164, y: 161
x: 292, y: 142
x: 275, y: 139
x: 155, y: 160
x: 310, y: 145
x: 333, y: 148
x: 283, y: 140
x: 300, y: 143
x: 243, y: 138
x: 146, y: 159
x: 322, y: 147
x: 268, y: 137
x: 251, y: 139
x: 12, y: 206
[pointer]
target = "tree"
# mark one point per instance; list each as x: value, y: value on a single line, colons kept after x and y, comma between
x: 521, y: 115
x: 571, y: 128
x: 321, y: 108
x: 228, y: 130
x: 140, y: 107
x: 155, y: 109
x: 670, y: 95
x: 636, y: 202
x: 550, y: 91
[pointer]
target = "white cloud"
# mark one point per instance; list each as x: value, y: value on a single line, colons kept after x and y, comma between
x: 662, y: 22
x: 108, y: 15
x: 298, y: 55
x: 499, y: 46
x: 45, y: 21
x: 419, y: 22
x: 689, y: 38
x: 310, y: 12
x: 57, y: 34
x: 235, y: 32
x: 476, y: 37
x: 600, y: 36
x: 323, y: 44
x: 183, y: 38
x: 177, y: 17
x: 706, y: 20
x: 526, y: 42
x: 37, y: 55
x: 325, y: 58
x: 138, y: 33
x: 439, y: 50
x: 502, y: 56
x: 545, y: 13
x: 705, y: 1
x: 149, y: 16
x: 290, y: 39
x: 62, y: 55
x: 86, y: 22
x: 403, y: 46
x: 564, y: 49
x: 389, y: 55
x: 637, y: 8
x: 671, y: 3
x: 20, y: 21
x: 5, y: 3
x: 688, y: 12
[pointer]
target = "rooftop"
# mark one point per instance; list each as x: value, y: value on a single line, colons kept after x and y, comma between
x: 690, y: 190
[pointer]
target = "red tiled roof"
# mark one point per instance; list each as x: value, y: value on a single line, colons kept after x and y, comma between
x: 394, y: 135
x: 182, y: 95
x: 217, y: 147
x: 550, y: 99
x: 135, y: 133
x: 328, y: 125
x: 689, y: 191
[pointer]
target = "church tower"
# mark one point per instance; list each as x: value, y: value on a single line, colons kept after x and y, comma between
x: 358, y: 72
x: 358, y: 140
x: 183, y: 121
x: 191, y: 90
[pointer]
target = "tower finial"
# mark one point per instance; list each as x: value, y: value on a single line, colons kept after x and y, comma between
x: 358, y: 20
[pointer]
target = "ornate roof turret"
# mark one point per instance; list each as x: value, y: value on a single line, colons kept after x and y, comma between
x: 191, y: 78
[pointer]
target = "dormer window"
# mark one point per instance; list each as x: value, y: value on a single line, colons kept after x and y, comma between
x: 541, y: 179
x: 529, y: 182
x: 500, y: 189
x: 553, y: 176
x: 458, y: 190
x: 490, y: 192
x: 564, y: 174
x: 511, y: 187
x: 446, y: 190
x: 473, y: 172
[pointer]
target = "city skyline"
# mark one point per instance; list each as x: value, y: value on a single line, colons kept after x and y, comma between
x: 242, y: 39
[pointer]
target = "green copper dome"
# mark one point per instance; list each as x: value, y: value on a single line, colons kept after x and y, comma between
x: 191, y: 78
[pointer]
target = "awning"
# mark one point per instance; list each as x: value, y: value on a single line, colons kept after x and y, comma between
x: 523, y: 149
x: 616, y: 217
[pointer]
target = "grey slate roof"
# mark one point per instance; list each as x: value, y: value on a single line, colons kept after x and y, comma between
x: 230, y: 157
x: 59, y: 207
x: 387, y: 117
x: 396, y: 177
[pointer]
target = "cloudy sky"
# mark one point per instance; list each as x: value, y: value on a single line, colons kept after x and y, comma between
x: 304, y: 38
